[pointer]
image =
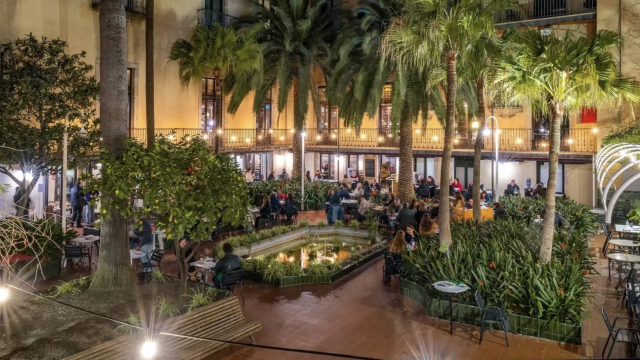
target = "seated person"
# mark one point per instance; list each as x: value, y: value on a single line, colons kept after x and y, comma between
x: 144, y: 244
x: 512, y: 188
x: 265, y: 211
x: 499, y: 213
x: 485, y: 198
x: 539, y: 191
x: 435, y: 209
x: 346, y: 182
x: 421, y: 210
x: 274, y: 202
x: 558, y: 220
x: 410, y: 237
x: 405, y: 217
x: 366, y: 188
x: 290, y: 209
x: 427, y: 226
x: 229, y: 262
x: 327, y: 206
x: 398, y: 246
x: 469, y: 204
x: 343, y: 193
x: 363, y: 207
x: 375, y: 186
x: 318, y: 175
x: 359, y: 191
x: 458, y: 200
x: 392, y: 211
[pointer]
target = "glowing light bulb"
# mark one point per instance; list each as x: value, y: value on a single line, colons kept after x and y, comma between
x: 570, y: 141
x: 348, y: 131
x: 518, y: 141
x: 270, y: 131
x: 486, y: 132
x: 171, y: 137
x: 219, y: 131
x: 247, y: 140
x: 259, y: 137
x: 149, y: 349
x: 233, y: 138
x: 333, y: 136
x: 293, y: 131
x: 281, y: 138
x: 380, y: 138
x: 205, y: 136
x: 390, y: 135
x: 318, y: 137
x: 4, y: 294
x: 292, y: 259
x: 28, y: 176
x: 417, y: 131
x: 363, y: 136
x: 544, y: 144
x: 475, y: 125
x: 456, y: 140
x: 594, y: 130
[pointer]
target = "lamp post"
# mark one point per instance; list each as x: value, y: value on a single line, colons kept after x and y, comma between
x: 303, y: 135
x: 65, y: 141
x: 494, y: 128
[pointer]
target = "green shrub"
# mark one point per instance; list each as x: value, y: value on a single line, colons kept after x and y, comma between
x: 355, y: 257
x: 159, y: 276
x: 316, y: 268
x: 293, y: 269
x: 338, y: 223
x: 200, y: 297
x: 321, y: 224
x: 72, y: 287
x: 134, y: 320
x: 165, y: 308
x: 353, y: 224
x: 274, y: 270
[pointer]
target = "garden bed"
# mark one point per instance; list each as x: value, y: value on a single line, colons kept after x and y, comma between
x: 467, y: 314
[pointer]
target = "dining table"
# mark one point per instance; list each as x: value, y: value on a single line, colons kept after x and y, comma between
x: 628, y: 230
x: 624, y: 258
x: 451, y: 289
x: 206, y: 264
x: 135, y: 255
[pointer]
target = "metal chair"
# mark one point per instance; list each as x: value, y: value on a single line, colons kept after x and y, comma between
x: 78, y: 253
x: 620, y: 335
x: 156, y: 256
x: 492, y: 315
x: 390, y: 268
x: 424, y: 193
x: 231, y: 279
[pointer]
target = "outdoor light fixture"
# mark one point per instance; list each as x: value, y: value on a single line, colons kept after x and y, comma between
x: 171, y: 137
x: 205, y: 136
x: 28, y: 176
x: 4, y: 294
x: 456, y: 140
x: 233, y: 138
x: 348, y: 131
x: 247, y: 140
x: 282, y: 138
x: 149, y: 349
x: 363, y: 136
x: 333, y: 136
x: 475, y: 125
x: 518, y: 141
x: 82, y: 131
x: 435, y: 138
x: 259, y: 137
x: 417, y: 131
x: 293, y: 131
x: 380, y: 138
x: 187, y: 137
x: 101, y: 138
x: 486, y: 131
x: 570, y: 141
x: 544, y: 144
x: 390, y: 135
x: 594, y: 130
x: 270, y: 131
x: 318, y: 137
x: 303, y: 134
x: 219, y: 131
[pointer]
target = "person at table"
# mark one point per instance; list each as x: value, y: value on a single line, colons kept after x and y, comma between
x: 405, y: 218
x: 359, y: 191
x: 485, y: 198
x: 499, y: 213
x: 421, y: 209
x: 431, y: 186
x: 427, y: 226
x: 318, y: 175
x: 391, y: 199
x: 398, y: 246
x: 469, y: 205
x: 456, y: 185
x: 343, y: 194
x: 290, y: 209
x: 328, y: 200
x: 229, y: 262
x: 539, y: 191
x: 265, y: 211
x: 284, y: 175
x: 346, y: 182
x: 144, y: 243
x: 469, y: 194
x: 249, y: 176
x: 366, y: 189
x: 336, y: 212
x: 422, y: 185
x: 458, y: 200
x: 307, y: 176
x: 274, y: 202
x: 272, y: 175
x: 363, y: 207
x: 435, y: 209
x: 512, y: 188
x: 375, y: 186
x: 392, y: 211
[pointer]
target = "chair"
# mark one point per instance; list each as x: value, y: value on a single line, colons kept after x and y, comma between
x: 620, y: 335
x: 156, y: 256
x: 76, y: 253
x: 390, y: 268
x: 424, y: 193
x: 492, y: 315
x: 232, y: 279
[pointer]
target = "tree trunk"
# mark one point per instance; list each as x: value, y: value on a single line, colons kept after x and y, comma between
x: 298, y: 124
x: 406, y: 190
x: 548, y: 223
x: 445, y: 169
x: 183, y: 263
x: 477, y: 152
x: 150, y: 77
x: 114, y: 268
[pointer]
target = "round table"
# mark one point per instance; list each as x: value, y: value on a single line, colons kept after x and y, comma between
x: 624, y: 258
x: 451, y: 289
x: 625, y: 243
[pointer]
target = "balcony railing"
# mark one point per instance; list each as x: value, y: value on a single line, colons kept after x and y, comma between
x: 134, y: 7
x: 539, y: 9
x: 208, y: 18
x: 518, y: 140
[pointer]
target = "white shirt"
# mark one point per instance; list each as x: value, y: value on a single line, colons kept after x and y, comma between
x: 249, y: 177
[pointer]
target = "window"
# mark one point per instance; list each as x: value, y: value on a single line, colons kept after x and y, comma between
x: 263, y: 118
x: 588, y: 115
x: 324, y: 122
x: 385, y: 108
x: 211, y: 104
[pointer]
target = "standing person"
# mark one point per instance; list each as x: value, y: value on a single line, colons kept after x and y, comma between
x: 144, y: 244
x: 366, y: 188
x: 249, y: 176
x: 272, y: 175
x: 89, y: 211
x: 431, y: 185
x: 405, y: 218
x: 77, y: 204
x: 307, y: 176
x: 17, y: 200
x: 284, y: 175
x: 318, y: 175
x: 458, y: 200
x: 457, y: 185
x: 343, y: 193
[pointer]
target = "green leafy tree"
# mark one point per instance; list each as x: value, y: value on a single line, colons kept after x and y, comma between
x: 40, y: 84
x: 293, y: 37
x: 185, y: 188
x: 559, y: 74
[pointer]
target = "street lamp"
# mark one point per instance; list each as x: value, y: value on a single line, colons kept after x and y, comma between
x: 487, y: 132
x: 303, y: 135
x: 65, y: 141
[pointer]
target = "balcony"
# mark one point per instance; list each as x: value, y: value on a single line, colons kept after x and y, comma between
x: 574, y: 141
x: 208, y: 18
x: 136, y: 8
x: 546, y: 12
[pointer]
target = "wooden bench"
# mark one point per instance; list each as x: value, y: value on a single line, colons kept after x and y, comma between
x: 222, y: 320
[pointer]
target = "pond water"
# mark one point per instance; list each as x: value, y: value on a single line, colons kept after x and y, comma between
x: 328, y: 249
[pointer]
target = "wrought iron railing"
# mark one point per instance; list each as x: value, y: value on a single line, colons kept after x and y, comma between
x: 135, y: 7
x: 537, y: 9
x: 208, y: 18
x: 572, y: 140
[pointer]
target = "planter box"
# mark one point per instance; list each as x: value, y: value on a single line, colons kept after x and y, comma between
x: 467, y: 314
x: 47, y: 269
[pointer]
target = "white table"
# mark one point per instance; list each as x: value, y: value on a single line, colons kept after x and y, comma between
x: 349, y: 201
x: 206, y: 264
x: 450, y: 288
x: 624, y: 258
x: 135, y: 255
x: 625, y: 243
x: 89, y: 240
x: 625, y: 229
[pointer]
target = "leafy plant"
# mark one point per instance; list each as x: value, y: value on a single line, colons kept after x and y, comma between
x: 335, y: 266
x: 133, y: 319
x: 316, y: 268
x: 354, y: 225
x: 159, y: 277
x: 200, y: 297
x: 355, y: 257
x: 338, y: 223
x: 274, y: 270
x: 165, y: 308
x: 634, y: 214
x: 321, y: 224
x: 293, y: 269
x: 72, y: 287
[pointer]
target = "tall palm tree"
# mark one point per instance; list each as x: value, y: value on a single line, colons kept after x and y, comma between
x: 114, y: 267
x: 150, y: 71
x: 440, y: 31
x: 559, y: 74
x: 360, y: 71
x: 293, y: 36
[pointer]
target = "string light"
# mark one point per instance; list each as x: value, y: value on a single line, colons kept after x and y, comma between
x: 380, y: 138
x: 435, y: 138
x: 318, y: 137
x: 234, y: 138
x: 4, y: 294
x: 518, y: 141
x: 219, y: 131
x: 205, y: 136
x: 417, y: 131
x: 594, y: 130
x: 149, y: 349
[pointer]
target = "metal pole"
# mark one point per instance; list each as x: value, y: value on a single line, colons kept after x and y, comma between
x: 302, y: 137
x: 63, y: 205
x: 495, y: 130
x: 494, y: 175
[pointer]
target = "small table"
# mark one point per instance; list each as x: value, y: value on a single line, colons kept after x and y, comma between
x: 628, y: 230
x: 206, y: 264
x: 451, y: 289
x: 625, y: 243
x: 624, y: 258
x: 88, y: 241
x: 349, y: 201
x: 136, y: 255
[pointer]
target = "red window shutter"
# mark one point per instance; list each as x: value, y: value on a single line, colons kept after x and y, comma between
x: 588, y: 115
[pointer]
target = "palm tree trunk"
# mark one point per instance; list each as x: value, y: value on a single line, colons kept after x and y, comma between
x: 477, y: 152
x: 548, y: 223
x: 445, y: 168
x: 406, y: 191
x: 114, y: 268
x: 149, y: 78
x: 298, y: 124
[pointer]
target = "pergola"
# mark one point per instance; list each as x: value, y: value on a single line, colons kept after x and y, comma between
x: 624, y: 154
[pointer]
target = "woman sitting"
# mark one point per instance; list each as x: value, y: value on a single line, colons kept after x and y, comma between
x: 427, y: 226
x: 397, y: 246
x: 290, y: 209
x: 485, y: 198
x: 458, y: 200
x: 420, y: 211
x: 265, y: 211
x: 365, y: 205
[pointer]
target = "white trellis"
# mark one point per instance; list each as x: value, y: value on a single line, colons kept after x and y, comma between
x: 625, y: 154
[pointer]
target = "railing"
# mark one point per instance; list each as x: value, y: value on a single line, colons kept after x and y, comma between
x: 537, y: 9
x: 208, y: 18
x: 521, y: 140
x: 135, y: 7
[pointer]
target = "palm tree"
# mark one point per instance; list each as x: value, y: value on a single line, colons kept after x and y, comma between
x: 559, y: 74
x: 360, y: 71
x: 439, y: 31
x: 293, y: 37
x: 150, y: 71
x: 114, y: 268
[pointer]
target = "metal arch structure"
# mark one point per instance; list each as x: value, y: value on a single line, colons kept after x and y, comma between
x: 605, y: 159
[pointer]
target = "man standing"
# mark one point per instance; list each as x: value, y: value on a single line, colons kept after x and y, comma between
x: 77, y: 204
